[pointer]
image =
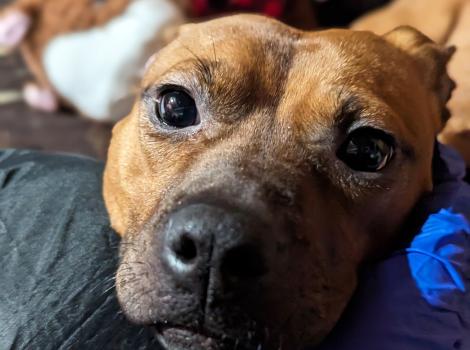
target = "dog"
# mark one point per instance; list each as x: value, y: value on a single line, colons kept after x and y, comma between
x: 260, y: 168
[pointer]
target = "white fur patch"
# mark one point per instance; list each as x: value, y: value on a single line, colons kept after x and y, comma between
x: 96, y: 70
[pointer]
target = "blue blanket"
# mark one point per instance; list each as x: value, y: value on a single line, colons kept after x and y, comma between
x: 419, y: 298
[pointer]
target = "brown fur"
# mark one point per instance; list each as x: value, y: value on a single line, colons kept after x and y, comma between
x: 273, y: 103
x: 448, y: 23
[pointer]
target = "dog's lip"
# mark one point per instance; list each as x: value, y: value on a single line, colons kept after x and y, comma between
x: 174, y: 336
x: 201, y: 336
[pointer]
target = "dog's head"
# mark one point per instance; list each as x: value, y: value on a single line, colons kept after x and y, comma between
x: 259, y: 168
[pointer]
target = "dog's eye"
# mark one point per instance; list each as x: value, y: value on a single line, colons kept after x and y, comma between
x: 367, y: 149
x: 177, y: 109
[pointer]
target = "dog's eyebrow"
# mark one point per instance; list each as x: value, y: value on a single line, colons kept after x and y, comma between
x: 205, y: 69
x: 184, y: 71
x: 203, y: 66
x: 349, y: 111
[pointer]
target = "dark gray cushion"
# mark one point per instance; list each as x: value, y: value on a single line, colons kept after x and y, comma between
x: 58, y: 257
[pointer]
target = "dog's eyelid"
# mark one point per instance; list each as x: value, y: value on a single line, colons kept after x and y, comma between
x: 348, y: 111
x: 398, y: 143
x: 354, y: 114
x: 364, y: 124
x: 154, y: 92
x: 352, y: 119
x: 146, y: 93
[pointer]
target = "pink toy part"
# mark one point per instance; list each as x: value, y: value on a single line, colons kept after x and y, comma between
x: 40, y: 98
x: 14, y: 25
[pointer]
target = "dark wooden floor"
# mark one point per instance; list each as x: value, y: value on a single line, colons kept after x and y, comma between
x: 21, y: 127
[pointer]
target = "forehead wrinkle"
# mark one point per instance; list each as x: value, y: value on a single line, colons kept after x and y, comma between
x: 310, y: 74
x: 251, y: 79
x: 260, y: 74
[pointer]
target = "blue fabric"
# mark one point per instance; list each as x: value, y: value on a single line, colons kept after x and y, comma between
x: 419, y: 298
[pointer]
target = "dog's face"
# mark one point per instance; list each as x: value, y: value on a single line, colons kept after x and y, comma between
x: 260, y: 167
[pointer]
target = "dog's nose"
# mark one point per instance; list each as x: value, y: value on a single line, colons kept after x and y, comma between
x: 203, y: 240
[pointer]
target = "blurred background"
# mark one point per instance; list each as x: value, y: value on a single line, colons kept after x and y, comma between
x: 65, y: 131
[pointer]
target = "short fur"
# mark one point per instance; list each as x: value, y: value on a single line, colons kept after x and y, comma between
x: 275, y: 104
x: 447, y: 22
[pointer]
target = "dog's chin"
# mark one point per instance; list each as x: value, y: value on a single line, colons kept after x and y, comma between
x: 181, y: 338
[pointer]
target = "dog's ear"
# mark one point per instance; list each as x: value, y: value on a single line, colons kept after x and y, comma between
x: 431, y: 60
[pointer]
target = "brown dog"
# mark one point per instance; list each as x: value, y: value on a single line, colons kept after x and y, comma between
x: 259, y: 168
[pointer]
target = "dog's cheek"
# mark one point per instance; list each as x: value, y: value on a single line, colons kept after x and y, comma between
x: 113, y: 194
x: 314, y: 279
x: 315, y: 290
x: 322, y: 271
x: 132, y: 187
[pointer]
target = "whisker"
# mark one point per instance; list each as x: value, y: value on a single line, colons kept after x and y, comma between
x: 109, y: 289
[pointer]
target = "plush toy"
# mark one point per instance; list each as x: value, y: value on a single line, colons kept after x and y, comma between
x: 89, y: 54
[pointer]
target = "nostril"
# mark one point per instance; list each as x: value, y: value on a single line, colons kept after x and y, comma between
x: 185, y: 249
x: 243, y: 263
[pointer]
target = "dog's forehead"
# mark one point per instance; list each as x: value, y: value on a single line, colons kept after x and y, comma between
x: 238, y: 41
x: 253, y: 63
x: 270, y: 47
x: 248, y: 39
x: 240, y: 27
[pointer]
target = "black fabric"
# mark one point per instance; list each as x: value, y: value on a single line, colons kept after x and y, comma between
x: 58, y: 257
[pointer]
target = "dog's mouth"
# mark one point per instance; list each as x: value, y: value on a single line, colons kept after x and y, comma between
x: 187, y: 338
